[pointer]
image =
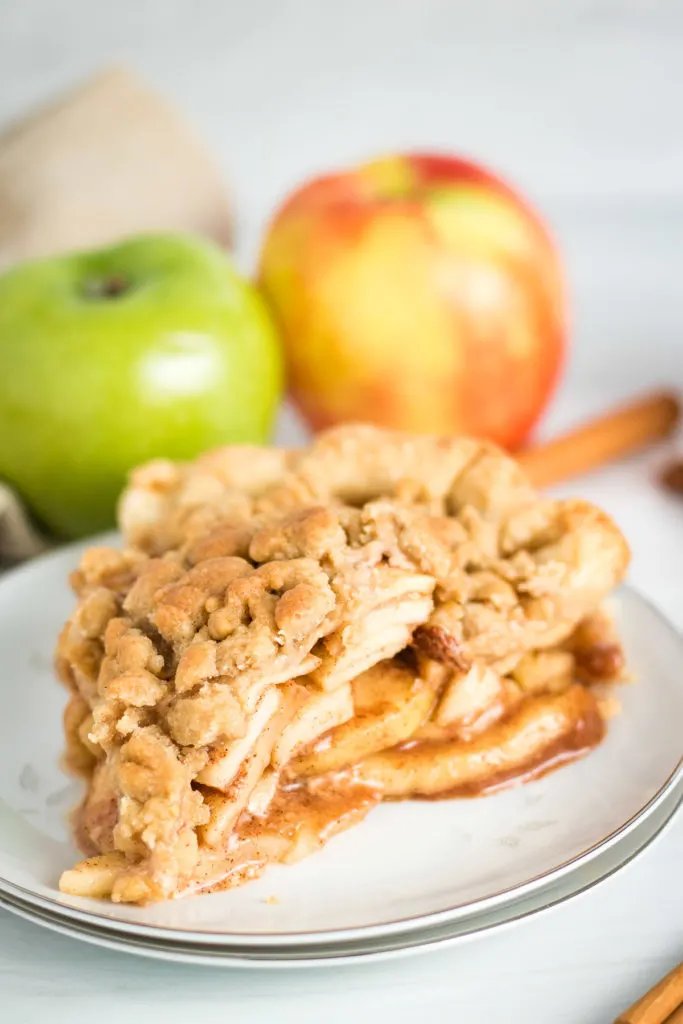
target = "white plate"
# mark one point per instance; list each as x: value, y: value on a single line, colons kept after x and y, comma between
x: 409, y: 865
x: 420, y: 940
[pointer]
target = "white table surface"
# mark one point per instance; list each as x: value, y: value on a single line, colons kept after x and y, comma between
x: 580, y: 104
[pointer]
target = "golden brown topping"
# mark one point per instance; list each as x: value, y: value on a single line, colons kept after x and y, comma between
x: 279, y: 606
x: 354, y: 464
x: 213, y: 713
x: 197, y: 664
x: 106, y: 567
x: 180, y: 608
x: 310, y: 532
x: 153, y: 575
x: 229, y: 538
x: 81, y: 754
x: 167, y: 503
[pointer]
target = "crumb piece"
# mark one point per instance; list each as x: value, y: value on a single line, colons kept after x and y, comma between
x: 609, y: 707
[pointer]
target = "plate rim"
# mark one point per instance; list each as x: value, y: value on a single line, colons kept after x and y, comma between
x: 415, y: 941
x: 407, y: 923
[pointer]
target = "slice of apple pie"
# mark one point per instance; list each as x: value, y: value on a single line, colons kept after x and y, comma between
x: 291, y: 637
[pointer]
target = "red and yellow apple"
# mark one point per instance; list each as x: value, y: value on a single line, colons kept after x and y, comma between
x: 418, y: 292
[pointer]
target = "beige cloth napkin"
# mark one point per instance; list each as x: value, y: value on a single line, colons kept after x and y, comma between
x: 19, y: 538
x: 110, y: 159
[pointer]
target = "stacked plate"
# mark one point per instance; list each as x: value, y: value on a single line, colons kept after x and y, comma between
x: 413, y: 876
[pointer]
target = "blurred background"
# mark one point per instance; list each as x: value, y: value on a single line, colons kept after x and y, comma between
x: 576, y: 104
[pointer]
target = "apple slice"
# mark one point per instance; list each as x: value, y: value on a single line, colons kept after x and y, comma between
x: 229, y: 781
x: 390, y: 700
x: 545, y: 731
x: 544, y: 671
x: 468, y: 695
x: 226, y: 759
x: 321, y: 712
x: 402, y: 600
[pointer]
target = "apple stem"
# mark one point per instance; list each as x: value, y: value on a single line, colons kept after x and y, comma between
x: 107, y: 287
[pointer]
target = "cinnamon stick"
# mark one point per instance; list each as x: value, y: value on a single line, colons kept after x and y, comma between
x: 672, y: 476
x: 656, y: 1006
x: 610, y: 437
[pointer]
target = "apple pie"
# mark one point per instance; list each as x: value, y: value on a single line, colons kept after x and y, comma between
x: 288, y: 638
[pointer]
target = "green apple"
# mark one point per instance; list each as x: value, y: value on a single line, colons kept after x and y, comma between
x: 154, y: 347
